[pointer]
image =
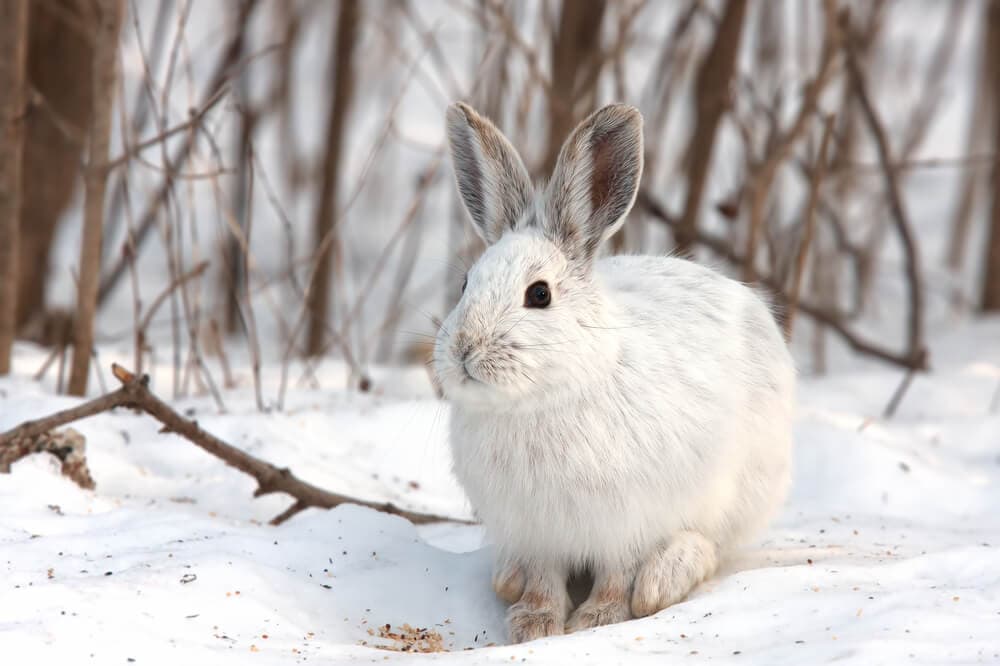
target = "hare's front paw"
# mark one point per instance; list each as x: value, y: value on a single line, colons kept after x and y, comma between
x: 592, y: 614
x: 672, y: 572
x: 607, y: 603
x: 528, y: 621
x: 542, y: 608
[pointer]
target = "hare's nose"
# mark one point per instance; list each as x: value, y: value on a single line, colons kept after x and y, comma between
x: 463, y: 347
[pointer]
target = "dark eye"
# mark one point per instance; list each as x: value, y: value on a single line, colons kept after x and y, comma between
x: 538, y: 295
x: 465, y: 282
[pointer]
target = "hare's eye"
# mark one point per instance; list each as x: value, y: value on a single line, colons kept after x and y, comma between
x: 465, y: 282
x: 538, y: 295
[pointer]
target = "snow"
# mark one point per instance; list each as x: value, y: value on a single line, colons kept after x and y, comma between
x: 886, y: 550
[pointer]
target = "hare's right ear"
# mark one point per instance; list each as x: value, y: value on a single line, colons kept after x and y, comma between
x: 494, y: 184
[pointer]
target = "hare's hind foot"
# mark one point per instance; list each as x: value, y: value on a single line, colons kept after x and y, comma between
x: 608, y: 602
x: 670, y: 573
x: 508, y: 581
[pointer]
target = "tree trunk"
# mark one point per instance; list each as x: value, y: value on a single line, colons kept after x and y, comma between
x: 13, y: 49
x: 575, y: 52
x: 991, y: 281
x: 712, y: 99
x: 95, y: 181
x: 342, y: 68
x: 59, y: 69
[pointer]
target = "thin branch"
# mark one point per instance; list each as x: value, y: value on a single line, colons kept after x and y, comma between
x: 815, y: 181
x: 195, y: 117
x: 229, y: 64
x: 896, y: 206
x: 900, y: 392
x: 762, y: 180
x: 169, y: 289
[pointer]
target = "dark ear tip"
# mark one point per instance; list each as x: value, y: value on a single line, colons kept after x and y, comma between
x: 619, y: 114
x: 460, y: 111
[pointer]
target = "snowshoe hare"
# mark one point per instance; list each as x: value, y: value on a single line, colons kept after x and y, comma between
x: 629, y: 416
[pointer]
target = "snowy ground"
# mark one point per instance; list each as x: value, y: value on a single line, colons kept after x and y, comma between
x: 886, y: 551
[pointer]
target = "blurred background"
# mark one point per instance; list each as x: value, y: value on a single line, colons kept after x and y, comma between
x: 248, y: 192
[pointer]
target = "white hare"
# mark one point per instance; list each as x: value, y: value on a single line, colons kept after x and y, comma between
x: 630, y: 416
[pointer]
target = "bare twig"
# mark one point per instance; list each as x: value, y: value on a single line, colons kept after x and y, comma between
x: 228, y: 64
x: 900, y: 392
x: 195, y: 118
x: 896, y: 205
x: 169, y: 289
x: 761, y: 181
x: 135, y: 393
x: 815, y: 181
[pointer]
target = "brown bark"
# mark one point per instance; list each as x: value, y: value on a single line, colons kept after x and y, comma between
x: 712, y: 99
x: 68, y: 446
x: 342, y: 69
x: 575, y: 53
x: 991, y: 281
x: 60, y: 36
x: 13, y: 47
x: 95, y: 182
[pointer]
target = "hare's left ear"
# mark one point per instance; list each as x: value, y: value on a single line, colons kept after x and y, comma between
x: 492, y: 179
x: 595, y: 180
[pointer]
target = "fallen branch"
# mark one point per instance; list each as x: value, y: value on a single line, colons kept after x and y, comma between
x: 135, y: 393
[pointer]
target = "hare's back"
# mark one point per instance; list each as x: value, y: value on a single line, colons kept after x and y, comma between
x: 684, y: 305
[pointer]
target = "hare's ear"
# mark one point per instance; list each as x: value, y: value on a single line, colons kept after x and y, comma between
x: 492, y: 179
x: 595, y: 180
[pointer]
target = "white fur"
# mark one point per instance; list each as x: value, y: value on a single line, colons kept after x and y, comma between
x: 653, y: 398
